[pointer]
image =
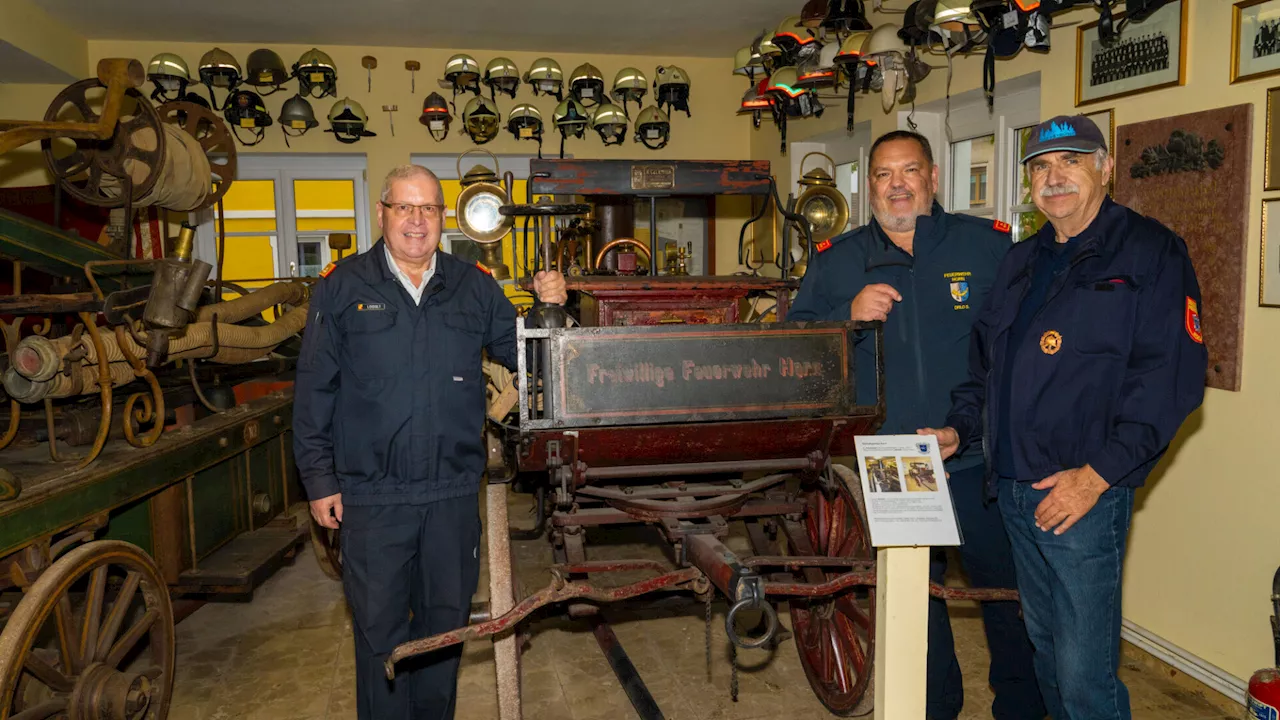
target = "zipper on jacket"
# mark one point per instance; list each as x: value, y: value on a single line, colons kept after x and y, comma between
x: 915, y: 328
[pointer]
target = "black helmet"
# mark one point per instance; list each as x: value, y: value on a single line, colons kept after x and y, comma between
x: 436, y: 116
x: 347, y: 121
x: 219, y: 69
x: 245, y: 110
x: 296, y: 115
x: 315, y: 69
x: 265, y: 69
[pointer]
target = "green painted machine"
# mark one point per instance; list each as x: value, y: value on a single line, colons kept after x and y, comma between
x: 145, y: 448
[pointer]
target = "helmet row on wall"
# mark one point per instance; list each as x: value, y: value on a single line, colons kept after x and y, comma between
x: 482, y: 121
x: 245, y: 112
x: 264, y: 71
x: 585, y: 84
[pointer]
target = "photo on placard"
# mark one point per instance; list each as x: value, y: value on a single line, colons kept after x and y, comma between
x: 1255, y: 39
x: 883, y: 475
x: 919, y: 474
x: 1269, y: 276
x: 1147, y: 55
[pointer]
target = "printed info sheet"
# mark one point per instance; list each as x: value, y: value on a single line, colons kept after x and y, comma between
x: 905, y: 487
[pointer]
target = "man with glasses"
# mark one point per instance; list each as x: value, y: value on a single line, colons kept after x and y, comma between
x: 388, y: 419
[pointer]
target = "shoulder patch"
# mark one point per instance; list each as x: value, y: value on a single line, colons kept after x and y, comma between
x: 328, y: 269
x: 1002, y: 226
x: 1193, y: 321
x: 484, y: 269
x: 823, y: 246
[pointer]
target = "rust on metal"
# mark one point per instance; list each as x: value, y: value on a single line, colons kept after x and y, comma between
x: 619, y: 177
x: 118, y: 75
x: 556, y: 592
x: 594, y: 517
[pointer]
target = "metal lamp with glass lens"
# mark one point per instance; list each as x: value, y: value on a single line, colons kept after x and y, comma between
x: 477, y: 212
x: 822, y: 206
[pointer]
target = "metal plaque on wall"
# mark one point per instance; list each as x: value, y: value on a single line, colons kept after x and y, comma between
x: 1191, y: 172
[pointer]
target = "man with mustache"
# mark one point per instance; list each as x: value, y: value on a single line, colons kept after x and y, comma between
x: 925, y: 273
x: 388, y: 418
x: 1085, y: 360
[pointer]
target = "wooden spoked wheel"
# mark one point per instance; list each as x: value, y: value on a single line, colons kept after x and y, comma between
x: 91, y: 638
x: 835, y: 636
x: 80, y: 166
x: 327, y: 545
x: 215, y: 139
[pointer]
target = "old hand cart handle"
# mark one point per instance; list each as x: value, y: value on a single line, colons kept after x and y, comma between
x: 770, y: 617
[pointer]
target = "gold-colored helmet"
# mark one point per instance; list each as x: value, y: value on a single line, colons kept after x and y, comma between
x: 462, y: 73
x: 545, y: 76
x: 502, y: 75
x: 480, y: 120
x: 315, y: 70
x: 610, y: 122
x: 629, y: 84
x: 586, y: 85
x: 653, y: 128
x: 170, y: 74
x: 671, y: 88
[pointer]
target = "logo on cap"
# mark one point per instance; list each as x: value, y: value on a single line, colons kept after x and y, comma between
x: 1057, y: 130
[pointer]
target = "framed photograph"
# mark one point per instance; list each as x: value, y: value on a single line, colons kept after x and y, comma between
x: 1149, y: 55
x: 1271, y: 155
x: 1255, y: 39
x: 1106, y: 122
x: 1269, y: 273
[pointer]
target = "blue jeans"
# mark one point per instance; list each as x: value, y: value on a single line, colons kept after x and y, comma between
x: 1070, y: 586
x: 988, y: 561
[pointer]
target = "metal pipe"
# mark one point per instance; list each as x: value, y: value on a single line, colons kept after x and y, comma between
x: 630, y: 471
x: 632, y: 684
x: 653, y: 236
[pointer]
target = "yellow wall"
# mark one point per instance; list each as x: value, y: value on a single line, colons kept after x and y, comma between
x: 31, y: 30
x: 1205, y: 539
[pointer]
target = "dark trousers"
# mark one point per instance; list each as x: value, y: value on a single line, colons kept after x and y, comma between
x: 1070, y: 587
x: 988, y: 561
x: 402, y: 559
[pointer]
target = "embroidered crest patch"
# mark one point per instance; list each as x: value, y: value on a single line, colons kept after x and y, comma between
x: 1193, y: 321
x: 1051, y: 342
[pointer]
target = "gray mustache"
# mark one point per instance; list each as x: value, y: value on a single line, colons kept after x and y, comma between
x: 1053, y: 190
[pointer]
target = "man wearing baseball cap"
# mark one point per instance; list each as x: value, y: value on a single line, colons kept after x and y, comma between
x: 1085, y: 360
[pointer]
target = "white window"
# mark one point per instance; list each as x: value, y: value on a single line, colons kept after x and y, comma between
x: 977, y: 151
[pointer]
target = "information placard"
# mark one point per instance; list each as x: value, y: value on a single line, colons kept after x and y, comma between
x: 907, y: 496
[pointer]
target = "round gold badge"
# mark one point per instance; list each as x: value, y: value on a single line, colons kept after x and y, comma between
x: 1051, y: 342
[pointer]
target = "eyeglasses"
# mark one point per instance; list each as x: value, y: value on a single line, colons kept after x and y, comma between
x: 405, y: 209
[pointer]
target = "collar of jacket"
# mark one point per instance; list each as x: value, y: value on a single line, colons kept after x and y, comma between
x: 928, y: 233
x: 1102, y: 236
x: 374, y: 270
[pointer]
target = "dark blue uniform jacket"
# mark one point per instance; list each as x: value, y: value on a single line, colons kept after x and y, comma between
x: 390, y: 396
x: 1112, y: 364
x: 927, y: 334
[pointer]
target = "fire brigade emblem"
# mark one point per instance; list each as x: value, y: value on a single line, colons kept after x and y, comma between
x: 960, y: 291
x: 1051, y: 342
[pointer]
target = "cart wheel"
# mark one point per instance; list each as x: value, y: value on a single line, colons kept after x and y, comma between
x: 836, y: 637
x: 92, y: 638
x: 327, y: 545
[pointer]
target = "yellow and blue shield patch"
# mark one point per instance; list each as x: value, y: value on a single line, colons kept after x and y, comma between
x: 960, y: 291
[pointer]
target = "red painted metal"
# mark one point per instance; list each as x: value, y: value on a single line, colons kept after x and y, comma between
x: 594, y: 517
x: 700, y: 442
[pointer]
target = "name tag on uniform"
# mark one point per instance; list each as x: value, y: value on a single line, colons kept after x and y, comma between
x: 457, y: 378
x: 362, y: 307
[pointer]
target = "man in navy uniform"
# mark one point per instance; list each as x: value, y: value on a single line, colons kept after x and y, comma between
x: 925, y: 273
x: 1084, y: 362
x: 388, y: 417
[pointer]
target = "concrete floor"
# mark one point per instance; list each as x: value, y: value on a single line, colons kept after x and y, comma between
x: 287, y: 655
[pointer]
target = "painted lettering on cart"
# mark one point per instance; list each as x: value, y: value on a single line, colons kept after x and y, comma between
x: 661, y: 375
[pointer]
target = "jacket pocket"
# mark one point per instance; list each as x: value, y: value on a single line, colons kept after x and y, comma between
x: 464, y: 339
x: 1104, y: 314
x: 373, y: 350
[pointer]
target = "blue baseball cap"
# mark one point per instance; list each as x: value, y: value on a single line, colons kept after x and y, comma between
x: 1069, y: 133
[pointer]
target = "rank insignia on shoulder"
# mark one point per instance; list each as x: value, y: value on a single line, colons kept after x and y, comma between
x: 1002, y: 226
x: 822, y: 246
x: 484, y: 269
x: 328, y: 269
x: 1193, y: 321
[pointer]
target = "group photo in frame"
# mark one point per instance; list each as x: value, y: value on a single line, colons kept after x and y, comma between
x: 1149, y: 55
x: 1255, y: 39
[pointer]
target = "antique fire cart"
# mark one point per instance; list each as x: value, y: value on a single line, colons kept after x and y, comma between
x: 146, y: 451
x: 662, y: 406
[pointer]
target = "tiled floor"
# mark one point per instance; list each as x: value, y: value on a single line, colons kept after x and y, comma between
x: 288, y: 656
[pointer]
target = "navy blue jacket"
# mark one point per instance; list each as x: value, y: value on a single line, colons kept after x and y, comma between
x: 927, y: 334
x: 389, y: 403
x: 1112, y: 363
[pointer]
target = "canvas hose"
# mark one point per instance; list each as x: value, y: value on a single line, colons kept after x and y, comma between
x: 186, y: 177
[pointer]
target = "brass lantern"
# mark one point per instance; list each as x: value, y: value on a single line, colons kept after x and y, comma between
x: 822, y: 206
x: 477, y: 212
